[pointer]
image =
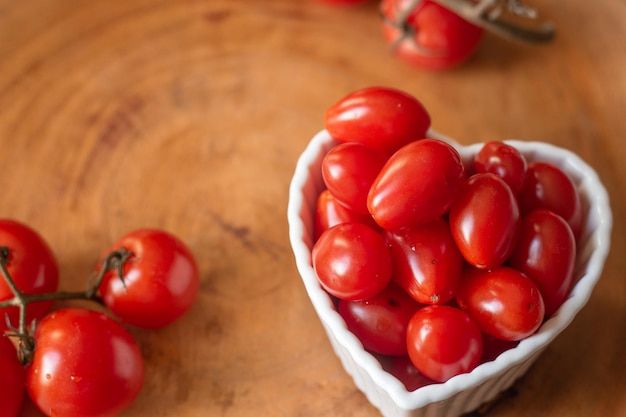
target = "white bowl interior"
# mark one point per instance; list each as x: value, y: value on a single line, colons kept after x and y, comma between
x: 465, y: 392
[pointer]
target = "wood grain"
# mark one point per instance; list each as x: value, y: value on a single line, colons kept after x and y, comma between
x: 190, y: 115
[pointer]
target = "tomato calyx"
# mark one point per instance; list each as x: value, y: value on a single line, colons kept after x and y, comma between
x: 26, y: 341
x: 407, y: 32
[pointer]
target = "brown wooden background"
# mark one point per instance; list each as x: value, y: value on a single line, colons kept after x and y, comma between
x: 190, y: 115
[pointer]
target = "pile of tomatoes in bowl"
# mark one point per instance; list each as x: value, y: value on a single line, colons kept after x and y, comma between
x: 440, y: 271
x: 419, y: 246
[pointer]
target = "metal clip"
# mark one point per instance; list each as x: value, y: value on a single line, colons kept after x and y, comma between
x: 507, y: 18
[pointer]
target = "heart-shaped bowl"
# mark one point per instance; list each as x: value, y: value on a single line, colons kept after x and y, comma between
x: 466, y: 392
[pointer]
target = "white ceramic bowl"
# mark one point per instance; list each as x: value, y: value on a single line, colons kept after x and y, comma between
x: 466, y: 392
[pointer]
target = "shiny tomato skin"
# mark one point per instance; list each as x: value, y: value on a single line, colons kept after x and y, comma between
x: 505, y: 161
x: 443, y: 341
x: 12, y: 379
x: 330, y: 212
x: 32, y: 266
x: 85, y: 365
x: 380, y: 322
x: 426, y: 262
x: 549, y: 187
x: 485, y: 220
x: 504, y: 302
x: 382, y: 118
x: 352, y: 261
x: 160, y: 280
x: 416, y: 185
x: 433, y: 38
x: 546, y: 253
x: 348, y: 170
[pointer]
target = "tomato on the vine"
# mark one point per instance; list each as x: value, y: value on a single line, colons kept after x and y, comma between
x: 12, y: 379
x: 416, y: 185
x: 352, y: 261
x: 546, y: 252
x: 443, y: 341
x: 382, y: 118
x: 160, y: 281
x: 504, y: 302
x: 380, y: 322
x: 85, y: 365
x: 432, y: 37
x: 485, y: 220
x: 32, y: 266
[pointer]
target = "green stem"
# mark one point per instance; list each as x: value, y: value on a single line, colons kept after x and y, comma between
x: 26, y: 342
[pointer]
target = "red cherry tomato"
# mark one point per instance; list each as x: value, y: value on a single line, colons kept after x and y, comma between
x: 160, y: 280
x: 330, y: 212
x: 503, y: 160
x: 12, y: 379
x: 31, y: 265
x: 402, y: 368
x: 348, y: 170
x: 380, y: 322
x: 546, y: 253
x: 485, y: 220
x: 426, y: 262
x: 416, y: 185
x: 504, y: 302
x: 443, y: 342
x: 385, y: 119
x: 352, y: 261
x: 85, y: 365
x: 432, y: 37
x: 547, y: 186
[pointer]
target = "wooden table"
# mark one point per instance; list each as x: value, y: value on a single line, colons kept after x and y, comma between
x: 190, y: 115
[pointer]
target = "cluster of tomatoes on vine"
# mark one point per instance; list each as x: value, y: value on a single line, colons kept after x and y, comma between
x: 436, y: 262
x: 424, y: 33
x: 428, y: 35
x: 78, y: 361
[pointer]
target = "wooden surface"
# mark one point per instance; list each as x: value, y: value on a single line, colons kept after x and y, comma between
x: 190, y: 115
